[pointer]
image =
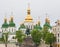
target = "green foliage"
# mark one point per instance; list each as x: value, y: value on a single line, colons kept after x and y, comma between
x: 2, y: 39
x: 44, y: 31
x: 50, y: 38
x: 20, y: 36
x: 5, y: 37
x: 36, y: 36
x: 44, y: 34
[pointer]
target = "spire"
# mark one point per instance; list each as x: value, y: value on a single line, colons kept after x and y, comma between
x: 5, y: 19
x: 11, y: 18
x: 38, y: 20
x: 28, y: 10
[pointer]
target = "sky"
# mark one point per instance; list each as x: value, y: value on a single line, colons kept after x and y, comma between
x: 39, y: 8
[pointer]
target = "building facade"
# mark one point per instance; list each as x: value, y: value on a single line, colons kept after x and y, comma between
x: 56, y: 31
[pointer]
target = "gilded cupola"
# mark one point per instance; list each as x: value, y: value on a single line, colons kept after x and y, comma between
x: 47, y: 20
x: 28, y: 17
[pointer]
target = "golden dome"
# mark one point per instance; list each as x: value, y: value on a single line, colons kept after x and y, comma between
x: 47, y: 20
x: 38, y: 22
x: 28, y: 17
x: 11, y: 18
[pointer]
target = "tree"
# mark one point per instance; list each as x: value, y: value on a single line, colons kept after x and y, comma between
x: 20, y: 37
x: 44, y: 31
x: 5, y: 38
x: 36, y: 36
x: 50, y: 39
x: 2, y: 39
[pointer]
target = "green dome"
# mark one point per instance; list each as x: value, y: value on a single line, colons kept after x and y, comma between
x: 11, y: 24
x: 5, y: 25
x: 22, y: 26
x: 47, y: 24
x: 37, y: 27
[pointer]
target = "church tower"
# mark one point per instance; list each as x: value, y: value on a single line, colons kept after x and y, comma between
x: 5, y: 25
x: 29, y: 20
x: 12, y: 24
x: 47, y: 22
x: 38, y: 24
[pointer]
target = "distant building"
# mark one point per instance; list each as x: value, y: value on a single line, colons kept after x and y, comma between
x: 10, y: 28
x: 56, y: 31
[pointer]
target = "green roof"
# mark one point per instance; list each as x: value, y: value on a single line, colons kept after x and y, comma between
x: 11, y: 24
x: 22, y: 26
x: 37, y: 27
x: 5, y: 25
x: 47, y: 24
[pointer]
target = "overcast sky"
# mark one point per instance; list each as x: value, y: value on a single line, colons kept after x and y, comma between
x: 39, y: 8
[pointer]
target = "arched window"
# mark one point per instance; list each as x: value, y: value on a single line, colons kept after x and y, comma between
x: 58, y: 40
x: 58, y: 34
x: 55, y: 29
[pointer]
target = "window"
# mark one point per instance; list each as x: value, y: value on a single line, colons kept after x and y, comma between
x: 55, y: 29
x: 29, y: 26
x: 58, y: 34
x: 58, y: 40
